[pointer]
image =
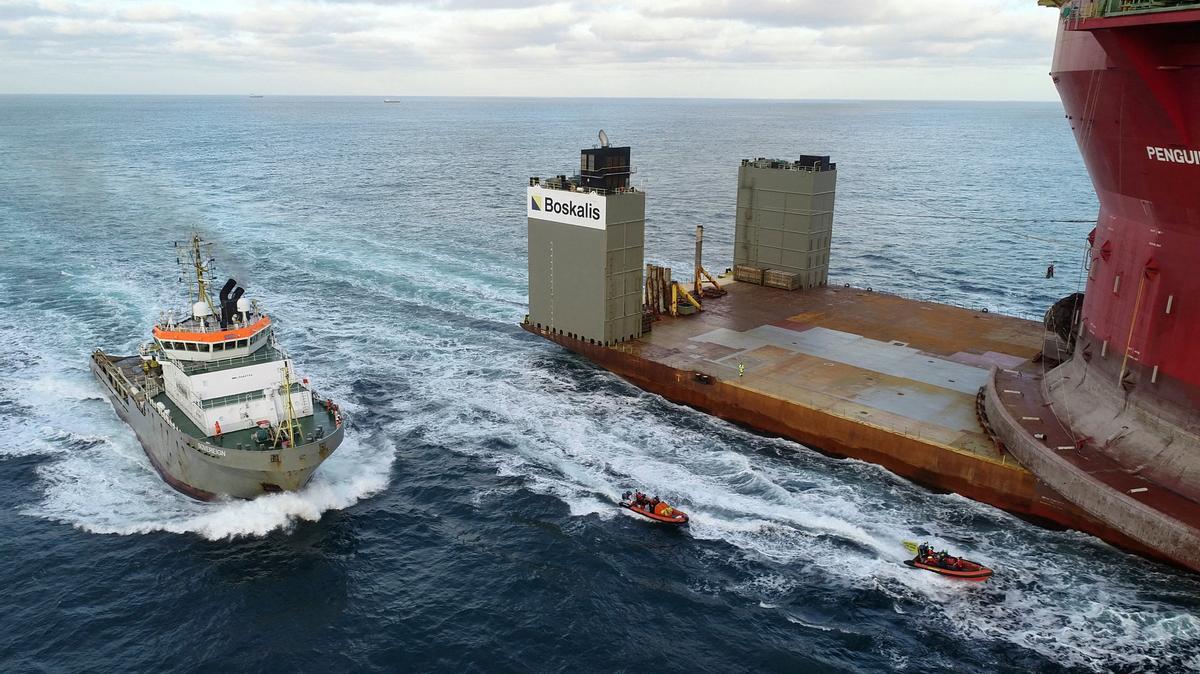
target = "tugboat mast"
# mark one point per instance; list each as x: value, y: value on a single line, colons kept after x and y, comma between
x: 289, y: 426
x: 202, y: 271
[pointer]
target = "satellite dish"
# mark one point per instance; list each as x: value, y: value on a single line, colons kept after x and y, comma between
x: 603, y: 138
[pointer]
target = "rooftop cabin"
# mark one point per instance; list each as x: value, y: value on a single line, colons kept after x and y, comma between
x: 201, y: 339
x: 603, y: 170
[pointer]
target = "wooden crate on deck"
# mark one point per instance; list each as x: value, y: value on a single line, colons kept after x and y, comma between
x: 781, y: 279
x: 748, y: 274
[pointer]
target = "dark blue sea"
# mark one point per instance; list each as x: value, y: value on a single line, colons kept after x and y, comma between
x: 467, y: 524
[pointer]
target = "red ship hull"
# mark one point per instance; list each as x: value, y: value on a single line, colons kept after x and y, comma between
x: 1115, y: 429
x: 1131, y: 88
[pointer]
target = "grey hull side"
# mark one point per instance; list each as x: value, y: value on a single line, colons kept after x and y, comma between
x: 203, y: 470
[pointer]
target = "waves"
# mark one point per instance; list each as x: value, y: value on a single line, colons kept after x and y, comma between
x: 112, y: 492
x: 407, y: 314
x: 799, y: 519
x: 794, y: 519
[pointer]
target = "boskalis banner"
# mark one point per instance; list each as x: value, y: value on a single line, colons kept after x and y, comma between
x: 570, y: 208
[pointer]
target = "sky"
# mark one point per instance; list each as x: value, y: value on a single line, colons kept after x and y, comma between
x: 788, y: 49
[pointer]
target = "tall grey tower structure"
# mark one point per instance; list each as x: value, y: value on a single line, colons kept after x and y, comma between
x: 785, y: 216
x: 586, y: 250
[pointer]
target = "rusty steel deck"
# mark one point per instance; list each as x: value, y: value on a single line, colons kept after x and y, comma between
x: 912, y: 368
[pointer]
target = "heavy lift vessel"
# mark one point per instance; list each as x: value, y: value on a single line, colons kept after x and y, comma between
x: 1088, y: 420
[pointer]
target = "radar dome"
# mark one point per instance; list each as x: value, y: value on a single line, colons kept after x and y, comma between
x: 243, y: 305
x: 201, y: 309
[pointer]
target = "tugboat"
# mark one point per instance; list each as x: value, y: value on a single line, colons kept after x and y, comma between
x: 215, y: 401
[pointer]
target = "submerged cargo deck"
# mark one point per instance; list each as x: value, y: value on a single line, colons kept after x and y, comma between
x: 852, y: 373
x: 907, y: 367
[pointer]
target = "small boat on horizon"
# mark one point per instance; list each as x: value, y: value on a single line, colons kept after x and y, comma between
x: 392, y: 100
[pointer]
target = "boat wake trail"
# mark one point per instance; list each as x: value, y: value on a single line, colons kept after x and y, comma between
x: 106, y: 492
x: 802, y: 521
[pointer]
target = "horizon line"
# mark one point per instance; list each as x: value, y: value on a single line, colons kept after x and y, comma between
x: 545, y: 98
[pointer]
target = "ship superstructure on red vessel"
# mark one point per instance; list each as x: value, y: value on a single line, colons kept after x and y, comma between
x: 1115, y: 427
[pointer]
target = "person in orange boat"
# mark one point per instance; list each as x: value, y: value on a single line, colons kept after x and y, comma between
x: 925, y: 554
x: 639, y: 500
x: 663, y: 510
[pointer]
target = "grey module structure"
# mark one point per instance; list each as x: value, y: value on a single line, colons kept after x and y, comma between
x: 785, y: 216
x: 585, y: 280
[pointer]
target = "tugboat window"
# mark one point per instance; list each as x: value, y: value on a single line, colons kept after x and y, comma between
x: 191, y: 346
x: 219, y: 346
x: 241, y: 342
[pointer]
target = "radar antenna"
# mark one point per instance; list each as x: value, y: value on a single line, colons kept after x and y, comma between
x: 202, y: 267
x: 603, y: 138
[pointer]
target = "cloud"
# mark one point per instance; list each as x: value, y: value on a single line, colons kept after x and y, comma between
x: 420, y: 39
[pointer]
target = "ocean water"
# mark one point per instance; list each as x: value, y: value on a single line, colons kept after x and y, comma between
x: 468, y: 523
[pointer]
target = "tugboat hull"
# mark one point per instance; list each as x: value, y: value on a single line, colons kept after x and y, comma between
x: 199, y: 468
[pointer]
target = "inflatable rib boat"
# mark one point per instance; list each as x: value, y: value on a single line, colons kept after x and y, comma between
x: 675, y: 517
